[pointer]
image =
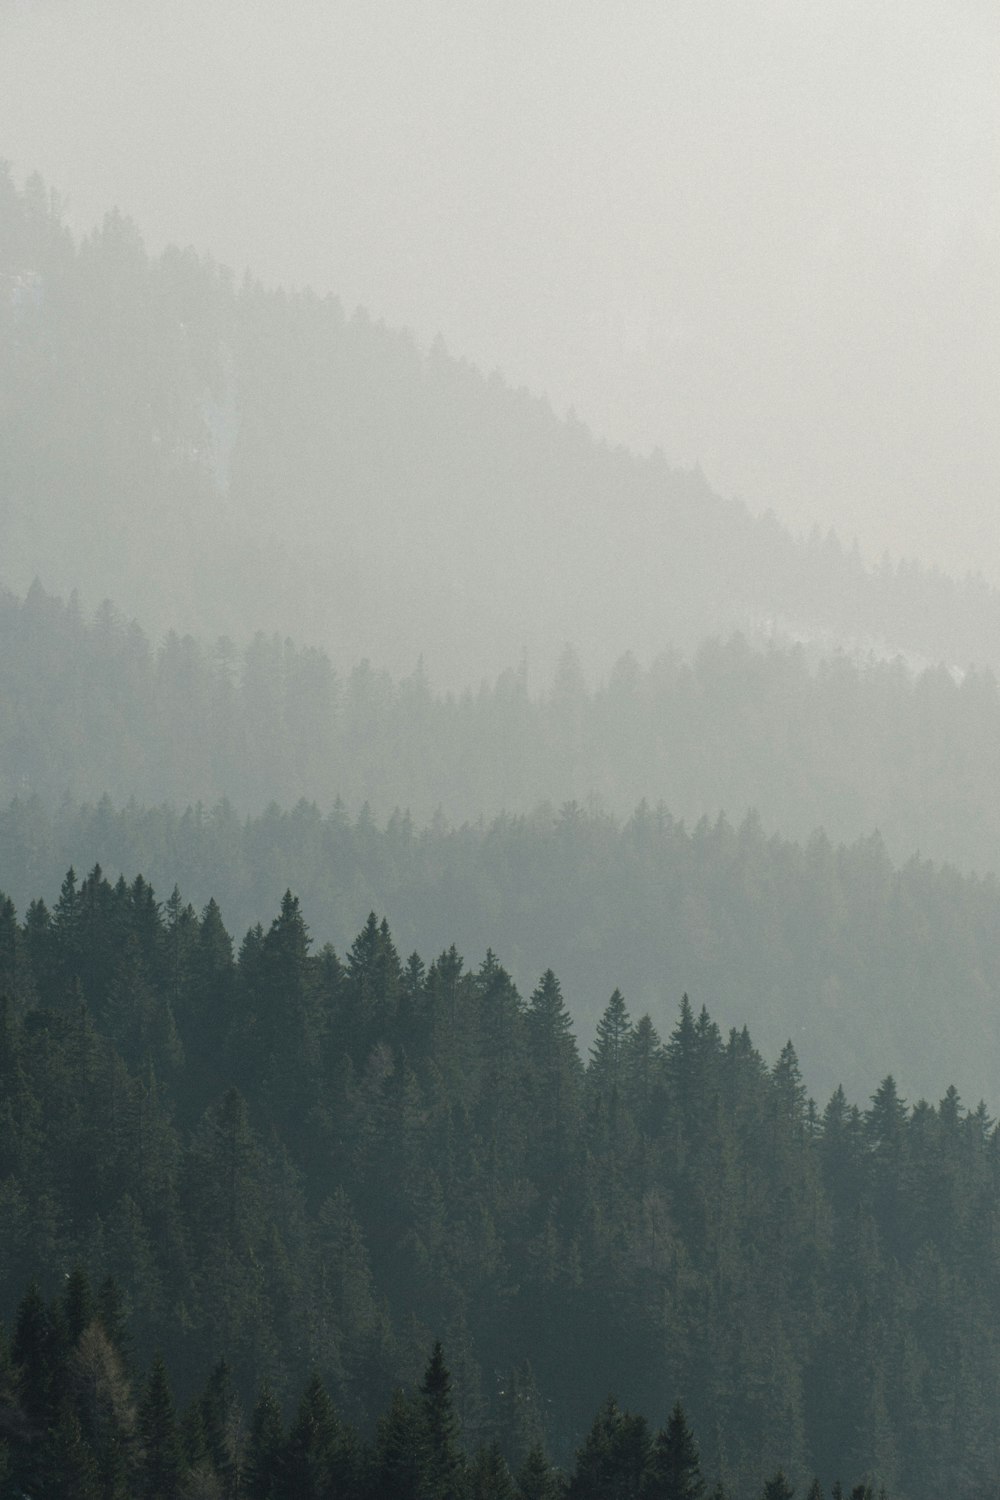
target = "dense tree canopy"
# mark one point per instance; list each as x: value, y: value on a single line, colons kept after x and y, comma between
x: 869, y: 968
x: 290, y: 1160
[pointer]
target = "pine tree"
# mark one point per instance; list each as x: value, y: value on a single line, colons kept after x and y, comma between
x: 536, y: 1479
x: 607, y: 1072
x: 441, y: 1460
x: 14, y: 969
x: 611, y: 1463
x: 489, y: 1477
x: 110, y: 1313
x: 161, y: 1464
x: 519, y: 1416
x: 373, y: 984
x: 674, y: 1468
x: 500, y: 1112
x: 777, y: 1488
x: 265, y: 1445
x: 107, y: 1413
x: 789, y: 1090
x: 37, y: 1351
x: 554, y: 1074
x: 78, y: 1304
x: 309, y: 1457
x: 66, y: 1466
x: 221, y: 1421
x: 398, y: 1454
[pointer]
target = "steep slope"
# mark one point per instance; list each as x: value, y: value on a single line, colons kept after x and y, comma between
x: 230, y: 460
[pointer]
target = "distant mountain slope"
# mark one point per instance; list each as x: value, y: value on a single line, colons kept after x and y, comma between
x: 91, y: 707
x: 230, y: 460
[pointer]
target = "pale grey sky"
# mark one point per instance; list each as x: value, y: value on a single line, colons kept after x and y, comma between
x: 765, y: 236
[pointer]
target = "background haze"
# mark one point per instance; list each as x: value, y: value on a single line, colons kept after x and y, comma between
x: 765, y: 237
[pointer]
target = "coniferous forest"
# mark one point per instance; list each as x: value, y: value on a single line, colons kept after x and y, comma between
x: 292, y: 1161
x: 517, y: 1189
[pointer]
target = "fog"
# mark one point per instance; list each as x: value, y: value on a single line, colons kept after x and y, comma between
x: 763, y: 237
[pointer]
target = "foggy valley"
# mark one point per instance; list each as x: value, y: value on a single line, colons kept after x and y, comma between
x: 499, y: 732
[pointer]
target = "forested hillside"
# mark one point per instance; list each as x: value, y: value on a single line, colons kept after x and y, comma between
x: 268, y: 1179
x: 868, y: 967
x: 294, y: 1160
x: 77, y: 1424
x: 232, y: 459
x: 89, y: 705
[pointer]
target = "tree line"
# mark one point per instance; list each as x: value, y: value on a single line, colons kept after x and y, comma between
x: 77, y: 1424
x: 868, y: 966
x: 808, y: 740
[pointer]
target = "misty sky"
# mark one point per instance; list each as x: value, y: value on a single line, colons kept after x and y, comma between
x: 765, y: 236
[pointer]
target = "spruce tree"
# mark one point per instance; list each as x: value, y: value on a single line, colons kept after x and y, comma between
x: 441, y: 1468
x: 398, y: 1453
x: 106, y: 1410
x: 265, y: 1444
x: 489, y: 1477
x: 78, y: 1304
x: 674, y: 1468
x: 219, y: 1409
x: 536, y: 1478
x: 554, y: 1074
x: 309, y: 1456
x: 611, y: 1463
x: 37, y: 1351
x: 778, y: 1488
x: 161, y: 1463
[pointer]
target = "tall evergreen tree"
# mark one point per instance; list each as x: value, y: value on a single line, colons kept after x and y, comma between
x: 397, y: 1460
x: 307, y: 1470
x: 161, y: 1463
x: 489, y: 1477
x: 613, y: 1459
x: 554, y: 1083
x: 441, y: 1467
x: 265, y: 1445
x: 777, y: 1488
x: 536, y: 1479
x: 674, y: 1468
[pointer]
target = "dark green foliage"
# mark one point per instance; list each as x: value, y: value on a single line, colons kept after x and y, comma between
x: 37, y: 1350
x: 649, y: 904
x: 221, y: 1425
x: 553, y: 1081
x: 105, y: 1409
x: 667, y: 1218
x: 309, y: 1460
x: 778, y: 1488
x: 78, y: 1304
x: 674, y: 1469
x: 264, y: 1449
x: 161, y: 1460
x: 396, y: 1463
x: 413, y: 1454
x: 536, y: 1479
x: 612, y: 1462
x: 489, y: 1477
x: 441, y: 1465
